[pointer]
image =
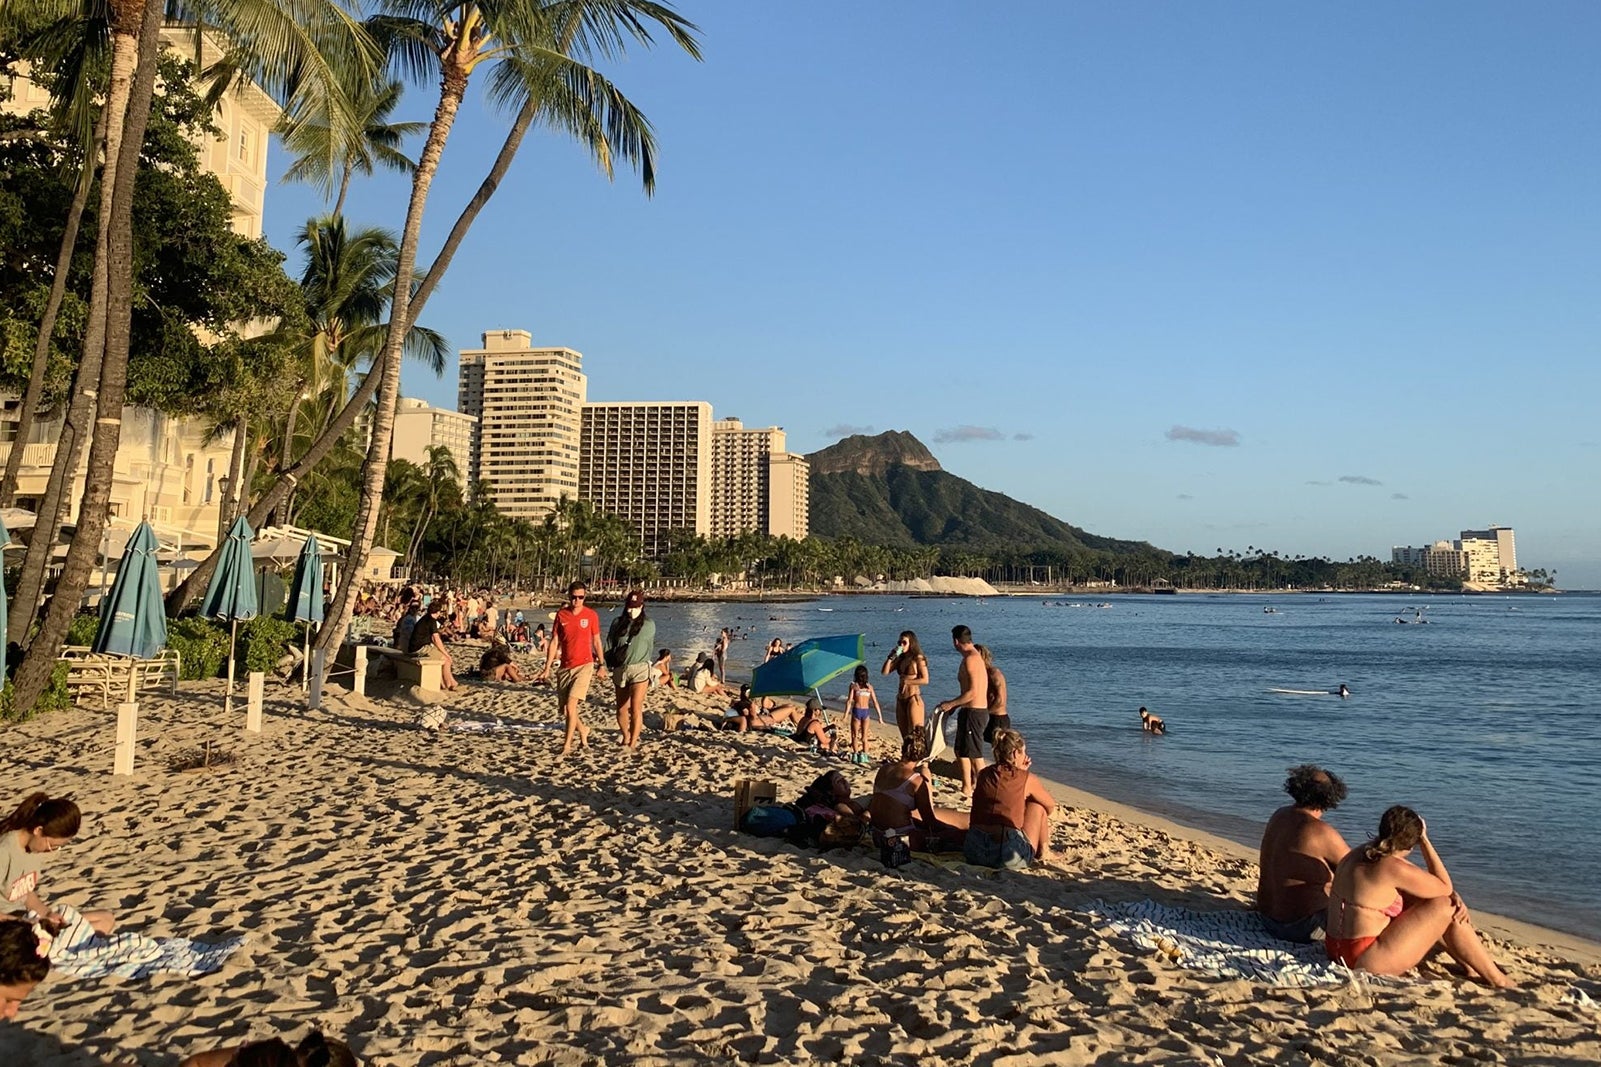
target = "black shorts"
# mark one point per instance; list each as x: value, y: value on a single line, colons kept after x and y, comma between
x: 997, y: 723
x: 970, y: 725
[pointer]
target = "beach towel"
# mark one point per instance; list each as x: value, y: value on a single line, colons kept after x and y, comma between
x: 1228, y: 944
x: 78, y: 952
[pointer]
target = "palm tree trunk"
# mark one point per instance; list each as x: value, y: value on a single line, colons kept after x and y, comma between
x: 34, y: 673
x: 236, y: 473
x: 47, y: 322
x: 344, y: 187
x: 453, y: 86
x: 78, y: 424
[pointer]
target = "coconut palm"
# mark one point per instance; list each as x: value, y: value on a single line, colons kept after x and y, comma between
x: 324, y: 161
x: 540, y: 49
x: 302, y: 50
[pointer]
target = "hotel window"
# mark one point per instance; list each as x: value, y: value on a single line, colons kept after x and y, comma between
x: 244, y: 147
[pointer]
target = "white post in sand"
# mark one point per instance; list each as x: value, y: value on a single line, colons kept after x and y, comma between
x: 258, y: 684
x: 233, y: 637
x: 314, y: 698
x: 361, y: 670
x: 305, y: 662
x: 127, y: 730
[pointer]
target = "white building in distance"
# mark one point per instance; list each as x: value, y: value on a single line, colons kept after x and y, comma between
x: 419, y: 427
x: 649, y: 463
x: 756, y: 484
x: 1482, y: 557
x: 528, y: 403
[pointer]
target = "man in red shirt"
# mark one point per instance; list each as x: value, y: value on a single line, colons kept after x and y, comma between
x: 576, y: 634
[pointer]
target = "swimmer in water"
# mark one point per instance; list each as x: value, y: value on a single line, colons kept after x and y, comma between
x: 1151, y: 724
x: 1343, y: 691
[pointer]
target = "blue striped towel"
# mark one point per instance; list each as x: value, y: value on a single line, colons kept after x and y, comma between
x: 78, y: 952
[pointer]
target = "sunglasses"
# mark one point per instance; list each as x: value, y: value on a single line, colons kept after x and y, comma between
x: 576, y: 596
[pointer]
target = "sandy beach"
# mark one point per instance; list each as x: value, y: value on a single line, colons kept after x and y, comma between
x: 469, y: 898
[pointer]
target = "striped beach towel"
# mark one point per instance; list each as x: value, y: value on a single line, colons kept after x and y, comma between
x: 78, y: 952
x: 1227, y: 944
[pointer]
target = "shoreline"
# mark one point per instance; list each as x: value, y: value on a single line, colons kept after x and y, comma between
x: 469, y: 898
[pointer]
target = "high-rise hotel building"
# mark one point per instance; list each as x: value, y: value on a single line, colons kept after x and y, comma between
x: 756, y: 485
x: 529, y: 405
x: 649, y: 463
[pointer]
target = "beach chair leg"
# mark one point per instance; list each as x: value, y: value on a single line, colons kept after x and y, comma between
x: 127, y: 732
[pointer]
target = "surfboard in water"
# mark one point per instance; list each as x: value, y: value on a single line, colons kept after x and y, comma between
x: 1304, y: 692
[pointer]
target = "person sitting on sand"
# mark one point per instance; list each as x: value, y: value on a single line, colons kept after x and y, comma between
x: 902, y: 804
x: 661, y: 671
x: 496, y: 664
x: 22, y: 964
x: 1385, y: 914
x: 1152, y: 724
x: 539, y: 638
x: 829, y: 795
x: 1298, y: 856
x: 1010, y: 821
x: 809, y: 728
x: 703, y: 675
x: 759, y: 713
x: 314, y: 1050
x: 39, y: 825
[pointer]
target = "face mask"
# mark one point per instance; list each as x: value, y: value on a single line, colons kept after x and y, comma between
x: 633, y: 613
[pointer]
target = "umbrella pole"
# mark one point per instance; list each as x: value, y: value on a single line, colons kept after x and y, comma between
x: 305, y: 662
x: 233, y: 635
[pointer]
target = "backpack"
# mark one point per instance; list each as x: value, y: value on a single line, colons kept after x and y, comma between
x: 771, y: 820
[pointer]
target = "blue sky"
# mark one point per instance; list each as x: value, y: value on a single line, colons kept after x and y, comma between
x: 1320, y: 279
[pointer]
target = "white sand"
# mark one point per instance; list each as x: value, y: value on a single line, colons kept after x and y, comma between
x: 470, y: 899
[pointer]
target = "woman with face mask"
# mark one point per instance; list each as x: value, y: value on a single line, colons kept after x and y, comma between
x: 630, y: 648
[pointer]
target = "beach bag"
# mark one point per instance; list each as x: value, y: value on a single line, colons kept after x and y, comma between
x: 617, y: 657
x: 770, y: 820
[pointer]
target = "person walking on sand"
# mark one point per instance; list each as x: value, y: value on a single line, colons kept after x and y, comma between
x: 628, y: 650
x: 1385, y: 914
x: 1298, y: 856
x: 906, y: 659
x: 973, y: 702
x: 575, y: 633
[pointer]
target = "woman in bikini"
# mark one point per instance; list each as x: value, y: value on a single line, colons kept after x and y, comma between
x: 907, y: 660
x: 902, y: 804
x: 1385, y: 914
x: 862, y: 702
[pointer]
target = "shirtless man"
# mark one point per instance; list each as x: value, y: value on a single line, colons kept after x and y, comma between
x: 1299, y: 854
x: 973, y: 701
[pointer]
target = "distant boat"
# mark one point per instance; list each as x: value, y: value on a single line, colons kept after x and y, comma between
x: 1165, y: 590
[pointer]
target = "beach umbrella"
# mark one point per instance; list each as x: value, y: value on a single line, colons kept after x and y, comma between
x: 808, y: 666
x: 232, y: 593
x: 133, y: 618
x: 5, y: 540
x: 305, y: 599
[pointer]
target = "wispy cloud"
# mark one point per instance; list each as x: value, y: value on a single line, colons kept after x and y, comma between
x: 1185, y: 496
x: 959, y: 434
x: 1399, y: 496
x: 1022, y: 437
x: 1314, y: 481
x: 845, y: 429
x: 1359, y: 479
x: 1214, y: 438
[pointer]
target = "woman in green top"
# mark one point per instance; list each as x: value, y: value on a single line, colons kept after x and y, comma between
x: 629, y: 649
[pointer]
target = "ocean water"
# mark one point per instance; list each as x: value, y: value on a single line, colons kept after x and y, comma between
x: 1486, y: 719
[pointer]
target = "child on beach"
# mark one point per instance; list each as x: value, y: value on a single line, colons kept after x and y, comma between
x: 40, y: 825
x: 21, y: 965
x: 862, y: 701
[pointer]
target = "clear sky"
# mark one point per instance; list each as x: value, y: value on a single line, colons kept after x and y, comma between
x: 1320, y: 279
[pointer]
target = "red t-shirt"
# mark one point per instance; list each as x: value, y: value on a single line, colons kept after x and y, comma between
x: 575, y: 635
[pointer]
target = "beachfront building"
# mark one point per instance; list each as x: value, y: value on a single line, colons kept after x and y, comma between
x: 528, y: 403
x: 419, y: 426
x: 649, y: 463
x: 1481, y: 557
x: 166, y: 469
x: 744, y: 497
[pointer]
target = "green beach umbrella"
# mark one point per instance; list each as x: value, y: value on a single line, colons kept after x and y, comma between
x: 133, y: 618
x: 305, y: 598
x: 231, y: 596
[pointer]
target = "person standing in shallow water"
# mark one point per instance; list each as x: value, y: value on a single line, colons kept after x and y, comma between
x: 576, y: 634
x: 1298, y: 856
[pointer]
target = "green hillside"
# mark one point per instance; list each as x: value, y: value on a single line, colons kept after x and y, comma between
x: 890, y: 490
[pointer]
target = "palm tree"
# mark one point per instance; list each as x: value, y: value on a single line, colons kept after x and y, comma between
x: 441, y: 478
x: 323, y: 159
x: 289, y: 45
x: 541, y: 47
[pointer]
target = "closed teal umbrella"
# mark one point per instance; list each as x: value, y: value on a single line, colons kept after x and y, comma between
x: 133, y: 619
x: 232, y: 593
x: 305, y: 598
x: 5, y: 539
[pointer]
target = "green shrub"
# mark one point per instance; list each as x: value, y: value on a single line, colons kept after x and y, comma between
x: 202, y: 644
x: 263, y: 640
x: 54, y: 698
x: 84, y: 626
